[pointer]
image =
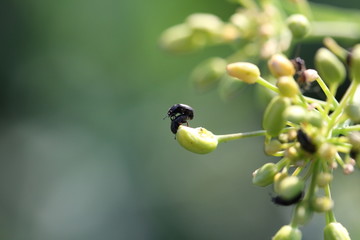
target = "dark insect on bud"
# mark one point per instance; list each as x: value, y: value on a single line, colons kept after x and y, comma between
x: 305, y: 142
x: 179, y: 114
x: 300, y: 77
x: 287, y: 202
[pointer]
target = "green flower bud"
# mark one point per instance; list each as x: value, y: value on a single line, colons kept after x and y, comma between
x: 336, y: 231
x: 295, y: 114
x: 290, y: 187
x: 264, y: 176
x: 244, y: 71
x: 315, y: 119
x: 303, y: 213
x: 204, y: 22
x: 179, y: 39
x: 353, y: 111
x: 208, y: 73
x: 274, y: 120
x: 277, y: 180
x: 272, y: 147
x: 196, y: 140
x: 288, y: 86
x: 327, y: 152
x: 280, y: 65
x: 299, y: 25
x: 330, y: 68
x: 323, y: 179
x: 288, y: 233
x: 354, y: 140
x: 322, y: 204
x: 355, y: 63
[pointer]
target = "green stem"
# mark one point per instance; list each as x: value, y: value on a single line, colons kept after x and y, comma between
x: 235, y: 136
x: 314, y: 172
x: 330, y: 217
x: 327, y: 92
x: 266, y: 84
x: 345, y: 130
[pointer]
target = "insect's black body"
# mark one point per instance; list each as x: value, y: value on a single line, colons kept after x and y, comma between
x: 180, y: 109
x: 299, y: 65
x: 179, y: 114
x: 287, y: 202
x: 305, y: 142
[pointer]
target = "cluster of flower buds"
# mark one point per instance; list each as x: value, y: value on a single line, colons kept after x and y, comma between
x: 310, y: 137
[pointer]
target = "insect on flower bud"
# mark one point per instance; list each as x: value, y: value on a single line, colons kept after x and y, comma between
x: 246, y: 72
x: 287, y: 86
x: 331, y: 69
x: 280, y: 65
x: 264, y: 176
x: 355, y: 63
x: 336, y: 231
x: 287, y: 232
x: 196, y: 140
x: 299, y: 25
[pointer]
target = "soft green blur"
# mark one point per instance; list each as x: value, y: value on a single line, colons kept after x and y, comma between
x: 84, y: 152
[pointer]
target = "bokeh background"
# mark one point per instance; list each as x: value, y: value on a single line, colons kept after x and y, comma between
x: 84, y: 151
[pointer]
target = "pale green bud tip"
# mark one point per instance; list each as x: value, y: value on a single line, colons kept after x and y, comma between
x: 303, y: 213
x: 287, y: 86
x: 353, y: 111
x: 331, y: 69
x: 299, y: 25
x: 264, y: 176
x: 323, y: 179
x: 336, y: 231
x: 204, y: 21
x: 280, y: 65
x: 290, y: 187
x: 196, y: 140
x: 178, y: 39
x: 322, y: 204
x: 272, y: 147
x: 287, y: 233
x: 354, y: 140
x: 244, y: 71
x: 355, y: 63
x: 295, y: 114
x: 327, y: 151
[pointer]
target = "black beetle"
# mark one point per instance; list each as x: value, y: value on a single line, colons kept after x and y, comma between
x: 179, y: 114
x: 287, y: 202
x: 305, y: 142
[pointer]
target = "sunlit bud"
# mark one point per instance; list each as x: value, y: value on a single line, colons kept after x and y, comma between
x: 244, y: 71
x: 292, y: 153
x: 287, y: 232
x: 353, y: 111
x: 295, y: 114
x: 322, y: 204
x: 280, y: 65
x: 327, y: 151
x: 208, y: 73
x: 299, y: 25
x: 323, y: 179
x: 315, y: 119
x: 331, y: 69
x: 274, y: 120
x: 287, y: 86
x: 354, y: 140
x: 348, y: 168
x: 355, y: 63
x: 310, y: 75
x: 278, y: 178
x: 179, y: 39
x: 196, y: 140
x: 336, y: 231
x: 272, y: 147
x: 290, y: 187
x: 264, y: 176
x: 204, y: 22
x: 303, y: 213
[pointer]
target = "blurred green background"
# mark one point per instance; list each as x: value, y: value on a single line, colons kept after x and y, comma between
x: 84, y: 152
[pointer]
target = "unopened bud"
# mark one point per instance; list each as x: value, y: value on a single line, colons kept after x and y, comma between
x: 295, y: 114
x: 322, y: 204
x: 196, y: 140
x: 310, y: 75
x: 303, y: 213
x: 290, y: 187
x: 327, y: 151
x: 244, y: 71
x: 264, y: 176
x: 354, y: 140
x: 280, y: 65
x: 315, y: 118
x: 323, y: 179
x: 299, y: 25
x: 287, y: 86
x: 274, y: 120
x: 272, y: 147
x: 208, y: 73
x: 288, y: 232
x: 204, y: 22
x: 336, y: 231
x: 353, y: 111
x: 331, y: 69
x: 355, y: 63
